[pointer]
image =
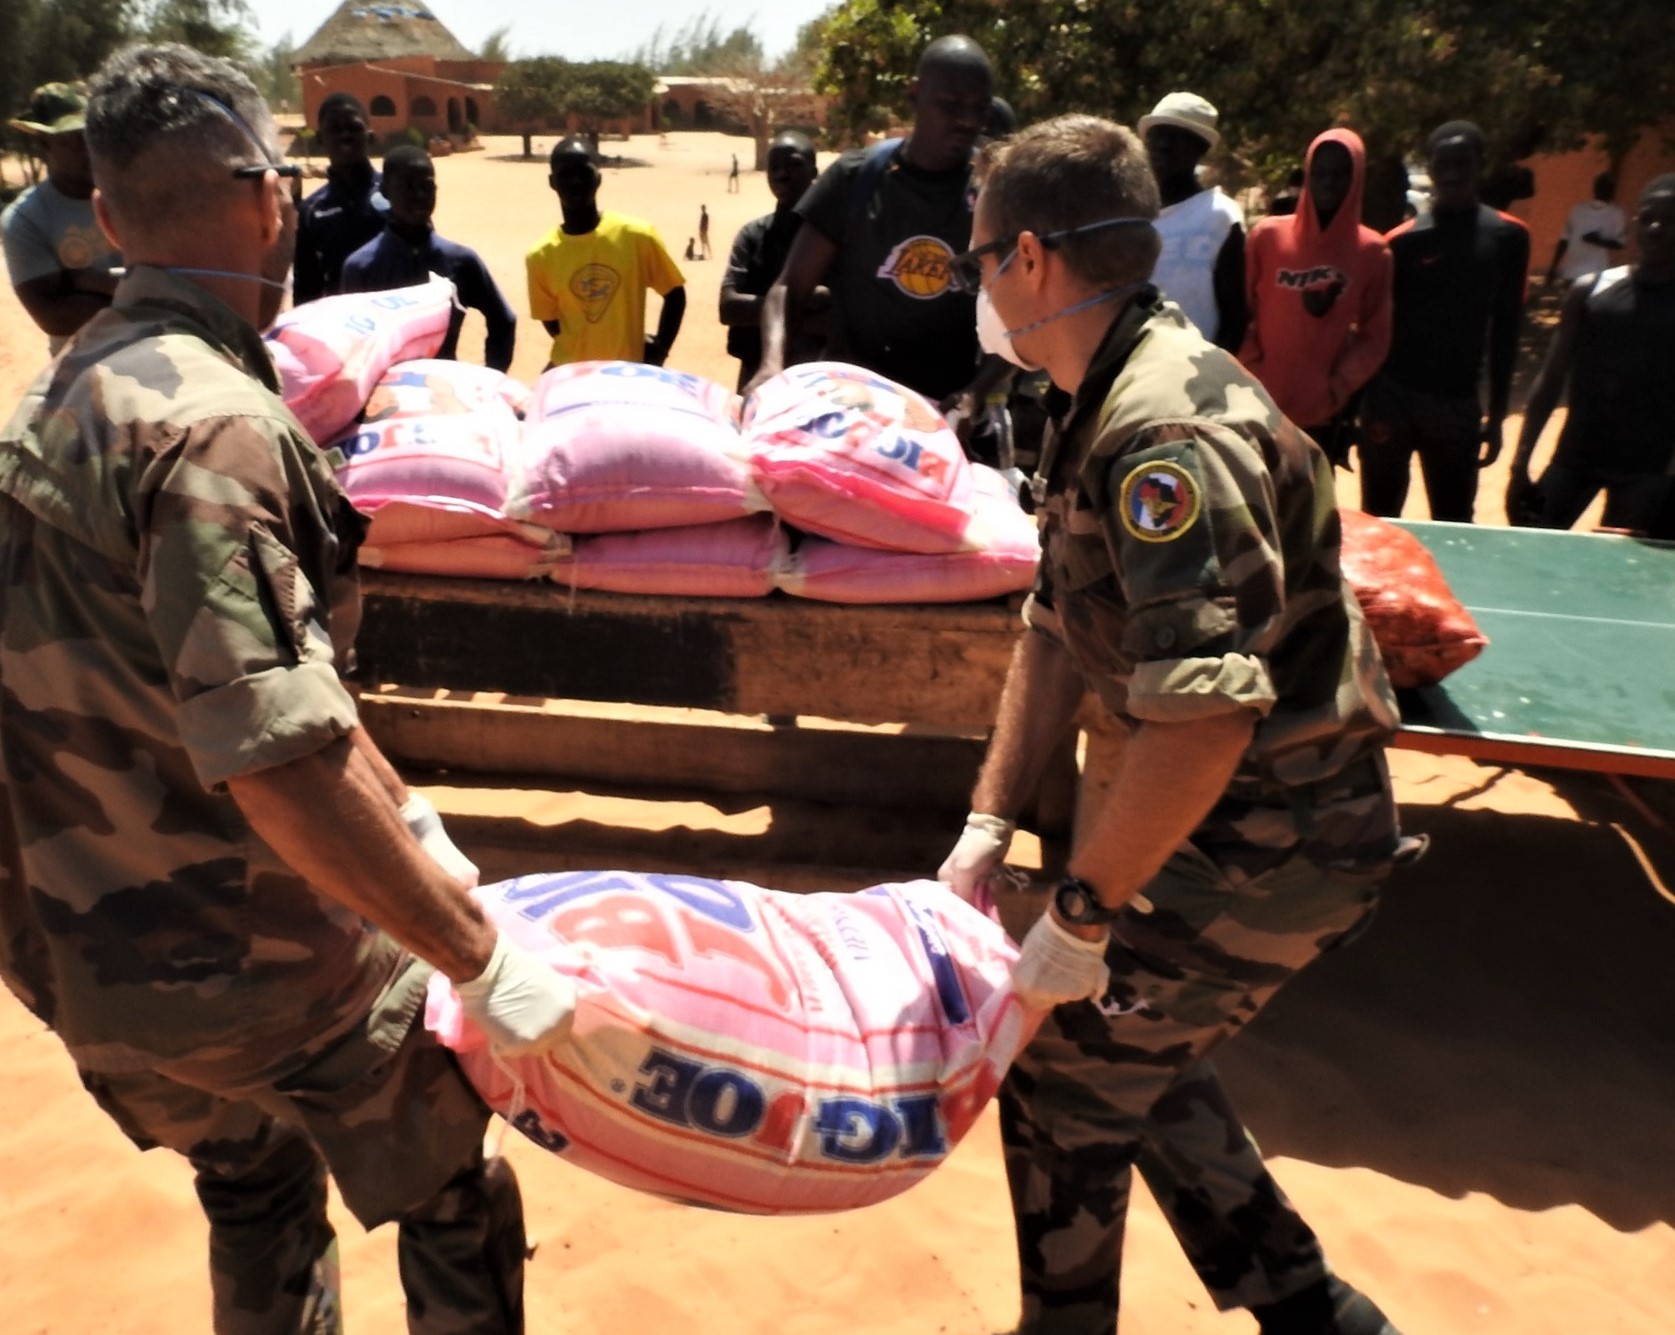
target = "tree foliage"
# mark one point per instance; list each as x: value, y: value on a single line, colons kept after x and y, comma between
x: 700, y: 47
x: 544, y: 92
x: 497, y: 45
x: 1533, y: 73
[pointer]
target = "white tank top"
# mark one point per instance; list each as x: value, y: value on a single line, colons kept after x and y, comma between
x: 1193, y: 233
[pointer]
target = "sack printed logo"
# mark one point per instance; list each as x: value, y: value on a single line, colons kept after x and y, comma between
x: 594, y: 285
x: 1159, y: 502
x: 1321, y: 286
x: 919, y: 267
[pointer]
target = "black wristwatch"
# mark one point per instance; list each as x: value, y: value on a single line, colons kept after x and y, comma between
x: 1076, y: 903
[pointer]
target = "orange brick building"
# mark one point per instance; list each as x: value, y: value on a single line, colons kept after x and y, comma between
x: 406, y: 68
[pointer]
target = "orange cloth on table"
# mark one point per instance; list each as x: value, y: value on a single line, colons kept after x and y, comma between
x: 1319, y: 300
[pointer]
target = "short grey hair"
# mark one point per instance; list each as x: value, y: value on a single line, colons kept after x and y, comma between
x: 164, y: 123
x: 1071, y: 171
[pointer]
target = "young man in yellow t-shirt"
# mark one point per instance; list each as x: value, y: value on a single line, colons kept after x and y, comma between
x: 588, y: 276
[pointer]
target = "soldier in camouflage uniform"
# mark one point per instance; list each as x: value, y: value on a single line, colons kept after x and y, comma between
x: 1190, y: 579
x: 196, y: 838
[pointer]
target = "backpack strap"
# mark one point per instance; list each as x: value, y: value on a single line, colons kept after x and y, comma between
x: 866, y: 182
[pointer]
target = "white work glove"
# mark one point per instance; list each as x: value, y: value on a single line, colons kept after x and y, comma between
x: 977, y: 856
x: 426, y: 825
x: 1055, y: 966
x: 519, y: 1003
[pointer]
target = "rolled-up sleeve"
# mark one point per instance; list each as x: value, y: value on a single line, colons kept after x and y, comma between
x: 1191, y: 529
x: 237, y: 547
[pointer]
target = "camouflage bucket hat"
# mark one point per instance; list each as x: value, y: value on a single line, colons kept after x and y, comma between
x: 54, y: 108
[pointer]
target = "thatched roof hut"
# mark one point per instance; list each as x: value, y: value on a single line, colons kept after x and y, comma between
x: 361, y: 30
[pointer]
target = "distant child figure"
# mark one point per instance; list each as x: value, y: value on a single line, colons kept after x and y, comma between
x: 733, y: 177
x: 691, y: 249
x: 703, y: 232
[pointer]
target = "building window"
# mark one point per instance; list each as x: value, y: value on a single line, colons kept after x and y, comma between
x: 424, y: 106
x: 381, y: 106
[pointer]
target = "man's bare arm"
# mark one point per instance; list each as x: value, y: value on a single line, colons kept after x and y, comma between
x: 1042, y: 693
x: 333, y: 819
x: 786, y: 305
x: 62, y: 303
x: 1171, y: 775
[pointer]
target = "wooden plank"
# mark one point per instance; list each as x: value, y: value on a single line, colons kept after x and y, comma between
x: 940, y: 665
x: 678, y: 749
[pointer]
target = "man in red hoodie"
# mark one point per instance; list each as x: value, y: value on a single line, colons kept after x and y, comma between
x: 1318, y: 285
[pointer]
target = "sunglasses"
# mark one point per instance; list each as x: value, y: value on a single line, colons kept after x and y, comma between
x: 965, y: 270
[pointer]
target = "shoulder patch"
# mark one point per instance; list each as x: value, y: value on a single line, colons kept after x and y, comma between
x: 1159, y: 501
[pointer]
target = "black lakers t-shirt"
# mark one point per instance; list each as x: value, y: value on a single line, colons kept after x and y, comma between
x: 896, y: 310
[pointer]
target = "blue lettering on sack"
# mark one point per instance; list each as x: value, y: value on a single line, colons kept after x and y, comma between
x: 899, y: 447
x: 721, y: 1101
x: 642, y: 371
x: 362, y: 442
x: 536, y: 897
x: 948, y: 989
x: 530, y: 1124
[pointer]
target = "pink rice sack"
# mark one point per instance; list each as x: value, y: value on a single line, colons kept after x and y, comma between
x: 835, y: 572
x: 432, y: 479
x: 331, y: 352
x: 427, y: 388
x: 749, y: 1049
x: 849, y: 455
x: 613, y: 447
x: 488, y: 556
x: 740, y: 558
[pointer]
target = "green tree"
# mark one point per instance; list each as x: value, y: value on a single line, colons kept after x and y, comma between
x: 603, y: 90
x: 546, y: 91
x: 1533, y: 73
x: 215, y: 27
x: 496, y: 45
x: 274, y: 73
x: 71, y: 38
x: 533, y: 93
x: 700, y: 47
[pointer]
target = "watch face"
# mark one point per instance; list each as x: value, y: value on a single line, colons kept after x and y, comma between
x: 1077, y: 904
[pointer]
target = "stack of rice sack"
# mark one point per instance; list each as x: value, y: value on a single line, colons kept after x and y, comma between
x: 833, y: 483
x: 644, y: 466
x: 890, y: 508
x: 426, y: 449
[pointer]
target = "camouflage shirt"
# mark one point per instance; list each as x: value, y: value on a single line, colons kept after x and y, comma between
x: 1190, y: 568
x: 177, y: 568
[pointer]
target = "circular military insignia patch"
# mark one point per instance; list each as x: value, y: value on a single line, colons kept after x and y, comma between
x: 1160, y: 501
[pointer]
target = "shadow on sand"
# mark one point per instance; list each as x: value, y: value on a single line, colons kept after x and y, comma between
x: 1505, y: 1027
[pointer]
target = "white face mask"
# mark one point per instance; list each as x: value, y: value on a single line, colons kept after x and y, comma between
x: 997, y: 340
x: 993, y: 336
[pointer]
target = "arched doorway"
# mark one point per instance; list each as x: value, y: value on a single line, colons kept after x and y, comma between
x: 381, y: 106
x: 473, y: 117
x: 455, y: 123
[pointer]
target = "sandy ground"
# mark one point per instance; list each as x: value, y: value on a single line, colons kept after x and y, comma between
x: 1470, y: 1105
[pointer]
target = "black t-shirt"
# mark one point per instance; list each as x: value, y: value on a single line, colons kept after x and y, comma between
x: 758, y: 255
x: 895, y: 311
x: 1619, y: 381
x: 1457, y: 287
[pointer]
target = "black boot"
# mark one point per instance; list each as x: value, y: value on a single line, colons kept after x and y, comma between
x: 1330, y: 1307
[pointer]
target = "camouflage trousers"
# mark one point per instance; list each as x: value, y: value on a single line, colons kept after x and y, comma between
x: 1124, y: 1080
x: 387, y: 1111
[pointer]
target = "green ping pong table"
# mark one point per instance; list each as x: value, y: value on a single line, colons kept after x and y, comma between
x: 1580, y: 668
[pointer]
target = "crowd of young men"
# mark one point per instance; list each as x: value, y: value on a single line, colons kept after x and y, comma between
x: 1386, y: 349
x: 240, y: 982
